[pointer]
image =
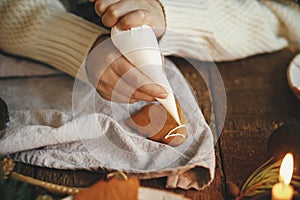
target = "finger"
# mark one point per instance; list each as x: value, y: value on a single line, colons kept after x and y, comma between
x: 92, y: 1
x: 112, y: 94
x: 139, y: 17
x: 108, y: 80
x: 154, y: 90
x: 137, y: 79
x: 133, y: 93
x: 102, y: 5
x: 111, y: 82
x: 117, y: 10
x: 140, y: 96
x: 117, y: 97
x: 133, y: 19
x: 107, y: 90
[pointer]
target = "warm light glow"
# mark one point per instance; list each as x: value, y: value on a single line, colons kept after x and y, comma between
x: 286, y: 169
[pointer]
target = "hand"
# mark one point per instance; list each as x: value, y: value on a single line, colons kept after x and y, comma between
x: 117, y: 79
x: 126, y: 14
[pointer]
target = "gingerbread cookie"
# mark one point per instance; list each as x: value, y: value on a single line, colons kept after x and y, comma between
x: 155, y: 123
x: 113, y: 189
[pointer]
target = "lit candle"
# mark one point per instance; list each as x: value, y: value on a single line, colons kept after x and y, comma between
x: 283, y: 190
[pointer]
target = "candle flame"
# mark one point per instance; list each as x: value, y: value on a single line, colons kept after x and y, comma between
x: 286, y: 169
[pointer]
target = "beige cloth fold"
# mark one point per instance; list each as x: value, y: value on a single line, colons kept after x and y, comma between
x: 13, y: 67
x: 57, y: 123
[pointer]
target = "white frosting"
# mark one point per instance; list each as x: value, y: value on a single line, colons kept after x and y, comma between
x: 171, y: 134
x: 139, y: 45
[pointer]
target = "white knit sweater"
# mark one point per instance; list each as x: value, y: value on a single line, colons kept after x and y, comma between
x: 231, y: 29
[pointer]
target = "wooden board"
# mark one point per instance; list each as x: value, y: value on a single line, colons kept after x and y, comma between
x: 258, y: 97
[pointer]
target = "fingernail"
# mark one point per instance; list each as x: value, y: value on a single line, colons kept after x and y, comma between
x: 163, y: 95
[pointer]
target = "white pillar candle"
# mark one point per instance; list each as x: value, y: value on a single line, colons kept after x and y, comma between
x: 283, y: 190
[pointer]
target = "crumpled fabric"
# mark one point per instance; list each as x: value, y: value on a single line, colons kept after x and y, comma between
x: 60, y: 123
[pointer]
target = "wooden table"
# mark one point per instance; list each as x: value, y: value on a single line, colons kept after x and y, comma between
x: 258, y: 96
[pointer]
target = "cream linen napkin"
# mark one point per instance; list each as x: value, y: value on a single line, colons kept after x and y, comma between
x: 54, y: 125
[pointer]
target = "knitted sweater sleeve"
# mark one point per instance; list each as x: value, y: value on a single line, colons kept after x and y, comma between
x: 45, y: 31
x: 227, y: 30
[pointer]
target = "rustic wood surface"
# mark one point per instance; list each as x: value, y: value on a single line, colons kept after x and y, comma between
x: 257, y: 97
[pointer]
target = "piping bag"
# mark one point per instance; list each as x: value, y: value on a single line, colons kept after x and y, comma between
x: 140, y: 47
